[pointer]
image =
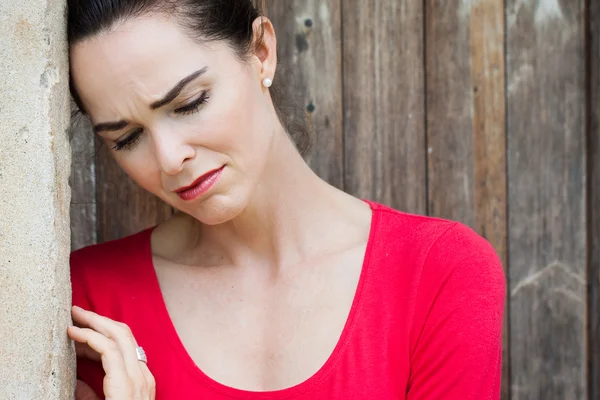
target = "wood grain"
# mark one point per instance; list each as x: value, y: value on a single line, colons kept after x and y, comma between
x: 489, y: 142
x: 466, y: 127
x: 449, y: 111
x: 593, y: 48
x: 309, y: 48
x: 547, y: 227
x: 489, y: 121
x: 123, y: 207
x: 83, y: 184
x: 384, y: 112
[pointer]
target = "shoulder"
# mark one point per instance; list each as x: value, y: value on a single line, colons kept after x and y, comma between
x: 112, y: 254
x: 112, y: 265
x: 406, y: 235
x: 396, y: 223
x: 468, y: 261
x: 449, y: 286
x: 437, y: 248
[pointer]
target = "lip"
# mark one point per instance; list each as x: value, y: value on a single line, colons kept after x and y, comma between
x: 200, y: 186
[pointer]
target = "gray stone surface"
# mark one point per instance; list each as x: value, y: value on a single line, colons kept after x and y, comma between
x: 36, y: 357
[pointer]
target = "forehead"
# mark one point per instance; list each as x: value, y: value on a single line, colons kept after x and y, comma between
x: 146, y: 55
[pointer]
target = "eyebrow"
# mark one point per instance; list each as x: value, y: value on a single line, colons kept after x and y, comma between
x: 110, y: 126
x: 169, y: 97
x: 173, y: 93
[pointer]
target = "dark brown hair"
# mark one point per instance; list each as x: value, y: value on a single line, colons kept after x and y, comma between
x: 227, y: 21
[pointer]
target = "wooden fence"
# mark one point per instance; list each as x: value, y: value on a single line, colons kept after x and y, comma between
x: 483, y: 111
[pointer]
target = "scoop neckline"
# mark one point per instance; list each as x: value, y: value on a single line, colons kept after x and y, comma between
x: 164, y: 319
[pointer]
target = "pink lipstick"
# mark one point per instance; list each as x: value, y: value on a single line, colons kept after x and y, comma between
x: 200, y: 185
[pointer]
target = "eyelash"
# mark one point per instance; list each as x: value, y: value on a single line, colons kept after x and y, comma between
x: 194, y: 106
x: 132, y: 139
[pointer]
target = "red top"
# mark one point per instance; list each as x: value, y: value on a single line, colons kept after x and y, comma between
x: 426, y: 321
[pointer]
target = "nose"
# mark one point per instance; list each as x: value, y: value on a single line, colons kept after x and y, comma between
x: 172, y: 151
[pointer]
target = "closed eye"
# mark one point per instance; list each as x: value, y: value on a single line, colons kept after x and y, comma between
x: 194, y: 106
x: 130, y: 141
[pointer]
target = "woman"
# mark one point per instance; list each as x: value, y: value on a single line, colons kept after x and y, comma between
x: 269, y: 283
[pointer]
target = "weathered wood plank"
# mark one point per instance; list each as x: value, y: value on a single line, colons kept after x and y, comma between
x: 593, y: 48
x: 547, y: 227
x: 466, y: 122
x: 489, y: 141
x: 309, y: 47
x: 384, y: 111
x: 123, y: 207
x: 83, y: 184
x: 449, y: 111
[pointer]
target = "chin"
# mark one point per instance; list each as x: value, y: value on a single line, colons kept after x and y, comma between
x: 218, y: 209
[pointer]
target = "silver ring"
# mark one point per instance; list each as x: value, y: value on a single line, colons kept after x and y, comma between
x: 141, y: 354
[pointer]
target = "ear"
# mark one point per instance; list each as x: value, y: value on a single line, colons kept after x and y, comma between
x: 265, y: 47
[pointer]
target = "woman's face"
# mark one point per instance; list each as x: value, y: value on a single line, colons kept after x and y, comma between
x: 178, y: 114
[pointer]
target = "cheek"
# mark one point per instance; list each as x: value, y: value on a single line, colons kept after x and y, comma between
x: 238, y: 122
x: 140, y: 165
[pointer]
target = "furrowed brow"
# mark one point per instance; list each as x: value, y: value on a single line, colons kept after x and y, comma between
x: 169, y: 97
x: 173, y: 93
x: 110, y: 126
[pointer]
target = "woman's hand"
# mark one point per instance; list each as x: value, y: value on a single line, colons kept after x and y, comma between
x: 112, y: 343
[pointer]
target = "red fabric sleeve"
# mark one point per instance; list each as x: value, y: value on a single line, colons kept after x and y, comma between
x: 88, y: 371
x: 456, y: 340
x: 80, y: 297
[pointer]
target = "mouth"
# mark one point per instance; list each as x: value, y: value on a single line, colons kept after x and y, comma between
x: 200, y: 186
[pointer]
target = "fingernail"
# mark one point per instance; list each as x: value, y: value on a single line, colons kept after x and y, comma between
x: 77, y: 308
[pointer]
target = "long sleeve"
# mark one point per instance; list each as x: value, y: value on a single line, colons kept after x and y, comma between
x: 456, y: 338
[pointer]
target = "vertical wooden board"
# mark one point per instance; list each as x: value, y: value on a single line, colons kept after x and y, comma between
x: 123, y: 207
x: 384, y: 107
x: 547, y: 226
x: 309, y: 48
x: 449, y: 110
x: 593, y: 55
x: 487, y: 30
x: 466, y: 122
x: 83, y: 184
x: 466, y: 114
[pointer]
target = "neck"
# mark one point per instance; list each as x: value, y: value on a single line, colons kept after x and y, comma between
x: 288, y: 206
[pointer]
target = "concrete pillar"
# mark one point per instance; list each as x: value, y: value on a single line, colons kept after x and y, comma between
x: 36, y: 357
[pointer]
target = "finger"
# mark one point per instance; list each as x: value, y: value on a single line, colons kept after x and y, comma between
x: 89, y: 319
x: 110, y: 356
x: 122, y: 336
x: 117, y: 331
x: 137, y: 370
x: 84, y: 392
x: 151, y: 384
x: 83, y: 350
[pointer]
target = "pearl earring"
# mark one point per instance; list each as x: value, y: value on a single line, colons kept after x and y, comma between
x: 267, y: 82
